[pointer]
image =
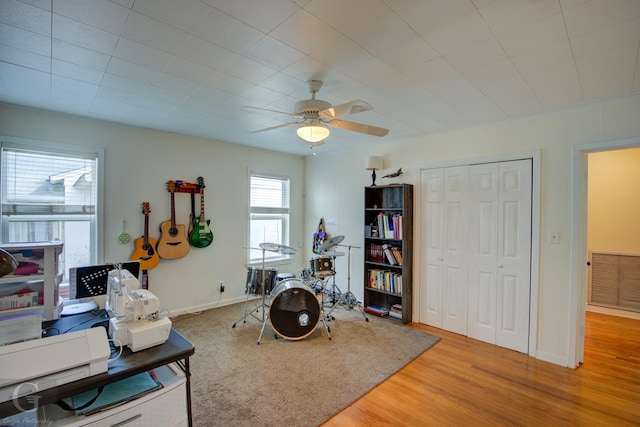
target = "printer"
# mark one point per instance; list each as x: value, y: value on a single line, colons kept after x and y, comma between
x: 39, y: 364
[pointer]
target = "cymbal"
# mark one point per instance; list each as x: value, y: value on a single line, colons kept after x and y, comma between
x: 330, y: 253
x: 328, y: 244
x: 275, y: 247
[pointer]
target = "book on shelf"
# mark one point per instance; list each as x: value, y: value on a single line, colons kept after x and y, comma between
x: 385, y: 280
x: 377, y: 310
x: 384, y: 254
x: 395, y: 315
x: 395, y: 311
x: 391, y: 259
x: 397, y: 255
x: 390, y: 226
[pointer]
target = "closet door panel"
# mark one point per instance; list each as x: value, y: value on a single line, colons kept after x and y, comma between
x: 483, y: 251
x: 455, y: 244
x: 514, y: 272
x: 431, y: 236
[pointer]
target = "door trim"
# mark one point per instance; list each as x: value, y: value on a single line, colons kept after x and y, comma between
x: 578, y: 274
x: 535, y: 156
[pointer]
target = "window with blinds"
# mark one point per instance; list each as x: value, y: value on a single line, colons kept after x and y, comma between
x: 50, y: 195
x: 268, y: 215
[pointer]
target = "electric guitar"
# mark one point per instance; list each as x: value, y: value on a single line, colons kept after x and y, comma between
x: 201, y: 236
x: 173, y: 243
x: 144, y: 250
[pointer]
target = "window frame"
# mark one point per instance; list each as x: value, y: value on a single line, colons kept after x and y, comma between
x: 254, y: 254
x: 54, y: 148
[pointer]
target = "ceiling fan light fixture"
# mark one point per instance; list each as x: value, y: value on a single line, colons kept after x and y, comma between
x: 314, y: 131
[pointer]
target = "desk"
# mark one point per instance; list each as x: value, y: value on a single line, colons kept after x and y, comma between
x: 176, y: 349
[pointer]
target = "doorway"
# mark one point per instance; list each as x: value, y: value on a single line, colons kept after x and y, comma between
x: 579, y: 255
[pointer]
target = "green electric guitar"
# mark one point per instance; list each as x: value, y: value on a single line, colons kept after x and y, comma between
x: 201, y: 235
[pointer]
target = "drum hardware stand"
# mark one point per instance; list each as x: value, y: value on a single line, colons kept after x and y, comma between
x: 349, y: 298
x: 334, y: 287
x: 271, y: 247
x: 261, y: 306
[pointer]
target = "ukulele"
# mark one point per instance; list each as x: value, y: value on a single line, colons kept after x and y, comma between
x: 173, y: 242
x: 144, y: 246
x: 201, y: 236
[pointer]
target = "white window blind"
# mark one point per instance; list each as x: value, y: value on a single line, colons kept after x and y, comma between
x: 268, y: 215
x: 49, y: 195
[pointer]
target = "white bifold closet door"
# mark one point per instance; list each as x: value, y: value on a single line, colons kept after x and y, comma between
x: 445, y: 239
x: 476, y: 229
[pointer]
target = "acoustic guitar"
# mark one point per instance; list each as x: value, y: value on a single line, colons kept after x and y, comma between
x: 173, y: 243
x: 201, y: 235
x: 144, y: 250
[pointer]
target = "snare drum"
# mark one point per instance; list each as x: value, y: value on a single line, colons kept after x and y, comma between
x: 322, y: 266
x: 254, y: 280
x: 294, y: 311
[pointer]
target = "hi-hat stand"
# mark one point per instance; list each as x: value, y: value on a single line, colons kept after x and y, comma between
x: 348, y: 298
x: 263, y: 305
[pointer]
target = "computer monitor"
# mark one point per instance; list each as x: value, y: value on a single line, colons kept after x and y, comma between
x: 88, y: 286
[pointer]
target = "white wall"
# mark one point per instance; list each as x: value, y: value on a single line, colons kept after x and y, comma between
x: 336, y: 183
x: 138, y: 163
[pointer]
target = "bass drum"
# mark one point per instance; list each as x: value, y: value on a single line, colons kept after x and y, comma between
x: 294, y: 311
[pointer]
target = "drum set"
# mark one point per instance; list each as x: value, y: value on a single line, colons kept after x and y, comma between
x: 293, y: 307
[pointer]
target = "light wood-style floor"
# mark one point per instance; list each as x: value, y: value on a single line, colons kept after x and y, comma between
x: 461, y: 381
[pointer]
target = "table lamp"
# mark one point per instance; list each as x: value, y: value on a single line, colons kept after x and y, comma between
x: 373, y: 163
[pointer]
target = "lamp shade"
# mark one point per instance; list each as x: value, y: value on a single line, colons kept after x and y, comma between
x: 313, y: 131
x: 374, y: 163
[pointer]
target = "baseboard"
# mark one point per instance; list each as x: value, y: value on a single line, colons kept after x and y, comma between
x: 552, y: 358
x: 202, y: 307
x: 613, y: 311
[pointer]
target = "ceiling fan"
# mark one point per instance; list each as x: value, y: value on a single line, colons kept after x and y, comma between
x: 316, y: 114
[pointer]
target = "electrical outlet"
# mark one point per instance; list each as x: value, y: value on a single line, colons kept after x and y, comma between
x: 221, y: 287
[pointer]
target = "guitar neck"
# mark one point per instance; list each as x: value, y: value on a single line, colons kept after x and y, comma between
x: 146, y: 230
x: 202, y: 205
x: 173, y: 210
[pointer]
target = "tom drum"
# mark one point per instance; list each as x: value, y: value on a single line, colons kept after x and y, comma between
x: 305, y: 274
x: 254, y: 280
x: 294, y: 311
x: 322, y: 266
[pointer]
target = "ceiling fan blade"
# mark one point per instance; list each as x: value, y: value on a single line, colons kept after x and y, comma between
x: 345, y: 109
x: 275, y: 127
x: 358, y: 127
x: 273, y: 111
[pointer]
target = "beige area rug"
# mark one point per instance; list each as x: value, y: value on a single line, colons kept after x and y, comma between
x: 236, y: 382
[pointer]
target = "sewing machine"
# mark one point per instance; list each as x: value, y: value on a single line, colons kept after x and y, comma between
x: 134, y: 313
